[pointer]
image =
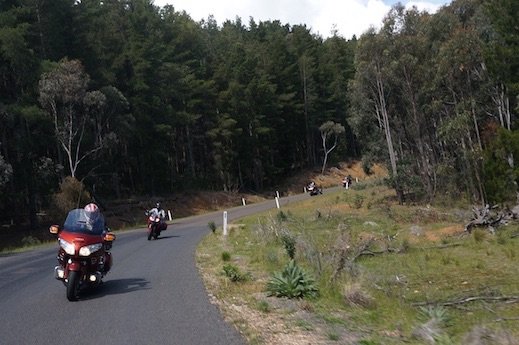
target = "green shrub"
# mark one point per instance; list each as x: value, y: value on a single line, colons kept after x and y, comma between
x: 272, y: 257
x: 226, y: 256
x: 281, y: 216
x: 212, y: 226
x: 437, y: 313
x: 290, y: 245
x: 71, y: 194
x: 333, y: 336
x: 358, y: 201
x: 234, y: 273
x: 355, y: 295
x: 29, y: 241
x: 263, y: 306
x: 293, y: 282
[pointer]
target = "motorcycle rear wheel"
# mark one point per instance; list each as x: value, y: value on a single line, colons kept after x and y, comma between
x: 73, y: 285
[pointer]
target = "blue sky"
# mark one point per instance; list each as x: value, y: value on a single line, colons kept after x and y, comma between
x: 349, y: 17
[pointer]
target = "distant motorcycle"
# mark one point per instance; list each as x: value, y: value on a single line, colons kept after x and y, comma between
x: 155, y: 225
x: 313, y: 189
x: 84, y: 257
x: 346, y: 182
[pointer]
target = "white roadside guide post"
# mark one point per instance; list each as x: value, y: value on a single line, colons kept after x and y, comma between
x: 225, y: 223
x: 243, y: 201
x: 169, y: 214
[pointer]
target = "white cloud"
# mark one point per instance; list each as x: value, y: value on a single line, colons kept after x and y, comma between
x: 349, y: 17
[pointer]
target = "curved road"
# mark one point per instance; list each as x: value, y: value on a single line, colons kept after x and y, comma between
x: 152, y: 295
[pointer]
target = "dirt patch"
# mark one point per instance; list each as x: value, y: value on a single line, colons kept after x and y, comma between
x: 438, y: 235
x: 333, y: 176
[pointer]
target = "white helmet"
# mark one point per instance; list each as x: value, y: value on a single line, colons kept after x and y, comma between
x: 91, y: 213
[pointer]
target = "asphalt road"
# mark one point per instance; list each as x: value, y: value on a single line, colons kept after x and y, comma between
x: 152, y: 295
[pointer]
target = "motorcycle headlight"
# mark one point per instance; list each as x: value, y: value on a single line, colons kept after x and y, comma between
x: 67, y: 247
x: 87, y: 250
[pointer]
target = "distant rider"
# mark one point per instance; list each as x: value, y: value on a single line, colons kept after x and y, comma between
x: 159, y: 211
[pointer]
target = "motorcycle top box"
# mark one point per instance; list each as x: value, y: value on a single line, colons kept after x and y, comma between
x: 83, y: 257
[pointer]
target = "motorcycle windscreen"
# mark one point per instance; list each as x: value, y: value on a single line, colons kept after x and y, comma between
x: 77, y: 222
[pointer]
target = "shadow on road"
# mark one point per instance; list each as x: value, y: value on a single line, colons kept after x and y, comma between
x: 165, y: 237
x: 114, y: 287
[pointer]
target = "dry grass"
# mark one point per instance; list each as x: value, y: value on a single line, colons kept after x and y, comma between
x: 395, y: 258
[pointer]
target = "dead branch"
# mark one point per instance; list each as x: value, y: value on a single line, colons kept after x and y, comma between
x: 499, y: 318
x: 490, y: 218
x: 442, y: 246
x: 506, y: 299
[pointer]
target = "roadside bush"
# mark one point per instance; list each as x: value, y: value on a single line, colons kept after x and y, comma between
x: 234, y: 273
x: 293, y: 282
x: 358, y: 201
x: 212, y: 226
x: 290, y: 245
x: 71, y: 195
x: 281, y: 216
x: 355, y: 295
x: 226, y: 256
x: 29, y: 241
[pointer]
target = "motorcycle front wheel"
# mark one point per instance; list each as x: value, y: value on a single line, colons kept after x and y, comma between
x: 150, y: 231
x: 73, y: 285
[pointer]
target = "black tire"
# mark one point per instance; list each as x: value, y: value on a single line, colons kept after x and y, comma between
x: 150, y: 233
x: 73, y: 285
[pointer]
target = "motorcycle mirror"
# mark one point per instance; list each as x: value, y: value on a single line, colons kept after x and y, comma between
x: 54, y: 229
x: 109, y: 237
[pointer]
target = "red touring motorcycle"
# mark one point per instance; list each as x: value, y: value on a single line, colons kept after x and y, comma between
x: 155, y: 225
x: 84, y: 257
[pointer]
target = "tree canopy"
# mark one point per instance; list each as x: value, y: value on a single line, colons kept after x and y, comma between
x: 131, y: 98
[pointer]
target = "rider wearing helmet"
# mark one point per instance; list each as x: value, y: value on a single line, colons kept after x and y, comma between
x: 158, y: 210
x: 93, y: 218
x: 91, y: 213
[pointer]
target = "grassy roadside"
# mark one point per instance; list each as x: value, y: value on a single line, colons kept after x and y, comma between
x: 386, y: 274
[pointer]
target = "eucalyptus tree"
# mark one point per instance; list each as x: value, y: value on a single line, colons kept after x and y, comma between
x: 328, y: 130
x: 371, y: 93
x: 468, y: 90
x: 410, y: 71
x: 64, y: 94
x: 502, y: 49
x: 499, y: 29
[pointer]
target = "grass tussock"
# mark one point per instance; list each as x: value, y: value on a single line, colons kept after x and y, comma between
x: 392, y: 274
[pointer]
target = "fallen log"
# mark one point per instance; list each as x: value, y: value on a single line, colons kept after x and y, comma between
x: 490, y: 218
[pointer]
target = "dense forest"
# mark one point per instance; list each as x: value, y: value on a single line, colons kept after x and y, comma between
x: 131, y: 99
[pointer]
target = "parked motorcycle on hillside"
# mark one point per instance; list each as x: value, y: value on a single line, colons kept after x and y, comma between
x: 84, y: 257
x: 155, y: 225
